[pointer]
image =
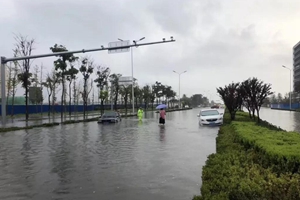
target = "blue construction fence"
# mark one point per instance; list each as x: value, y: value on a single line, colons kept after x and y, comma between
x: 285, y: 106
x: 32, y: 109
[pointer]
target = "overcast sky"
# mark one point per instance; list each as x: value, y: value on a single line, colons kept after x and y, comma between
x: 217, y: 41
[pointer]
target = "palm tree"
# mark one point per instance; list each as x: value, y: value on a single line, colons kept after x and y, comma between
x: 157, y: 89
x: 152, y: 96
x: 146, y: 93
x: 125, y: 92
x: 137, y: 95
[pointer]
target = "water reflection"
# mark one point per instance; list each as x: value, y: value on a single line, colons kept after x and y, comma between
x: 296, y: 116
x: 162, y: 133
x: 62, y: 161
x: 287, y: 120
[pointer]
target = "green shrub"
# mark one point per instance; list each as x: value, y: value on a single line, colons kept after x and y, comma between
x: 232, y: 174
x: 276, y: 149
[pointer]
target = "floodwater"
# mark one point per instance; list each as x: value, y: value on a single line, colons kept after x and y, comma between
x: 130, y: 160
x: 287, y: 120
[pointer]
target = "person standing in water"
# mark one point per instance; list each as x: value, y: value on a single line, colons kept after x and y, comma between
x: 162, y: 117
x: 140, y: 114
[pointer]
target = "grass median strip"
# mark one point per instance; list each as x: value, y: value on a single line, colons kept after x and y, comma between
x: 277, y: 149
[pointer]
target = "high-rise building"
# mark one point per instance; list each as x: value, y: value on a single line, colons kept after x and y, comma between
x: 296, y: 67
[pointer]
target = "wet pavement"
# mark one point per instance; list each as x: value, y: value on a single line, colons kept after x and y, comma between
x: 129, y: 160
x: 20, y: 122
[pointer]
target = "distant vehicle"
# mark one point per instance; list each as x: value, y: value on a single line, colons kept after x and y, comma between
x: 210, y: 117
x: 110, y: 117
x: 215, y: 106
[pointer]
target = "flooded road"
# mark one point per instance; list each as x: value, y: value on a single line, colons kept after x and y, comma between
x: 287, y: 120
x: 130, y: 160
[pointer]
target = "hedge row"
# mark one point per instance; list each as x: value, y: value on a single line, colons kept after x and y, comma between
x: 236, y: 172
x: 275, y: 149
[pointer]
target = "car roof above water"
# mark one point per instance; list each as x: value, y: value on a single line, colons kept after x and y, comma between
x: 209, y: 110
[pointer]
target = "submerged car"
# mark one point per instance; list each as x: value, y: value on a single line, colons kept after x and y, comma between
x: 215, y: 106
x: 210, y: 117
x: 110, y: 117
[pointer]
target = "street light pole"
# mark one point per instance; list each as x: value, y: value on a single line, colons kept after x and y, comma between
x: 290, y: 85
x: 179, y: 85
x: 132, y: 79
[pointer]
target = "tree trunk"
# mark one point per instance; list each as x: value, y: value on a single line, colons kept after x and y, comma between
x: 12, y: 104
x: 136, y: 103
x: 49, y: 106
x: 84, y: 107
x: 70, y: 97
x: 53, y: 99
x: 253, y: 113
x: 249, y: 112
x: 102, y: 107
x: 116, y: 99
x: 62, y: 98
x: 26, y: 103
x: 258, y: 118
x: 125, y: 102
x: 232, y: 115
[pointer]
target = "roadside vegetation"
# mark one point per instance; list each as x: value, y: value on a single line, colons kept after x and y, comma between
x: 81, y: 81
x: 254, y: 159
x: 250, y: 94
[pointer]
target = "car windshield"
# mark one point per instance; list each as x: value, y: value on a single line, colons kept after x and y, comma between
x: 209, y: 112
x: 109, y: 114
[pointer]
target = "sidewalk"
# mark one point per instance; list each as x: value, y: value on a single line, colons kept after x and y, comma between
x: 53, y: 119
x: 45, y: 120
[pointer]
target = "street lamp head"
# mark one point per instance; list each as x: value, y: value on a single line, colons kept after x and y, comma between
x: 142, y: 38
x: 184, y: 71
x: 286, y: 67
x: 120, y: 39
x: 174, y: 71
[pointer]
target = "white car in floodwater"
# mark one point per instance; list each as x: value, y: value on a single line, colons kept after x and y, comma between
x: 210, y: 117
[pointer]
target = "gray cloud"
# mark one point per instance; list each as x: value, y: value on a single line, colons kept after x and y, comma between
x: 216, y: 41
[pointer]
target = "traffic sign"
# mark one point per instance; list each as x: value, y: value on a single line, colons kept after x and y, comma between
x: 119, y: 44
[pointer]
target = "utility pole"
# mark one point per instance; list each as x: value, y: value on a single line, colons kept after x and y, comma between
x: 132, y: 79
x: 179, y: 74
x: 290, y: 86
x: 41, y: 82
